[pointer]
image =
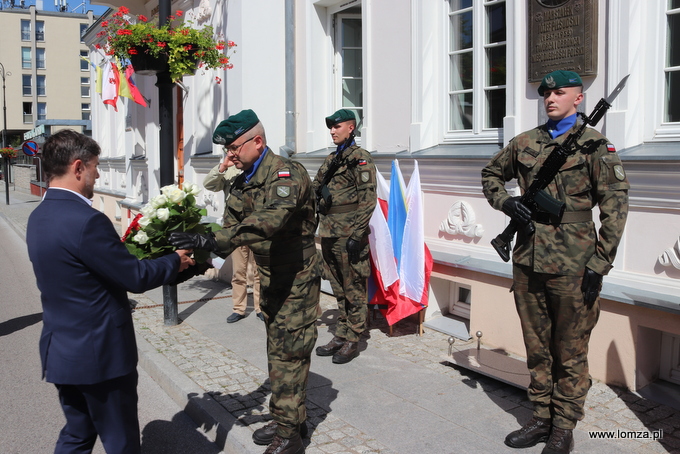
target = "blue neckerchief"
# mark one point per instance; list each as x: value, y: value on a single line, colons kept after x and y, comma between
x: 557, y: 128
x: 344, y: 146
x: 253, y: 169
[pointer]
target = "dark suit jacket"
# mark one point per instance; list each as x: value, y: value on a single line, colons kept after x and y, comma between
x: 84, y: 272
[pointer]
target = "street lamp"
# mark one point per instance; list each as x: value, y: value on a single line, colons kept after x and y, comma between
x: 4, y: 127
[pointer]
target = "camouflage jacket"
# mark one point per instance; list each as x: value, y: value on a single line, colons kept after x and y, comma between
x: 353, y: 183
x: 592, y: 176
x: 274, y: 213
x: 215, y: 181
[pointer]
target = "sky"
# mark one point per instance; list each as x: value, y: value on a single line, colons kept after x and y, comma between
x: 76, y: 6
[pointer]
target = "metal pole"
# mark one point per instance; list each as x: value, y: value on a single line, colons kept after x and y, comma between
x: 4, y: 129
x: 166, y: 162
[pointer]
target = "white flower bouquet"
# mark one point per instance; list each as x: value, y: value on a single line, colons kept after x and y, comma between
x: 174, y: 210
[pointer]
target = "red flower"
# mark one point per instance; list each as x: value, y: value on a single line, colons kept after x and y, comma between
x: 123, y: 31
x: 142, y: 18
x: 105, y: 23
x: 134, y: 226
x: 231, y: 44
x: 218, y: 79
x: 220, y: 46
x: 132, y: 51
x: 97, y: 46
x: 224, y: 60
x: 123, y: 10
x: 161, y: 44
x: 179, y: 13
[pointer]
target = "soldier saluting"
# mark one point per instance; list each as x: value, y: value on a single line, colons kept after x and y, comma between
x: 271, y: 209
x: 345, y: 188
x: 559, y: 261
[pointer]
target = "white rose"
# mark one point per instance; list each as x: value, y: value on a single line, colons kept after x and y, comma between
x: 141, y: 237
x: 175, y: 195
x: 165, y: 190
x: 163, y: 214
x: 192, y: 188
x: 159, y: 201
x: 148, y: 211
x: 144, y: 221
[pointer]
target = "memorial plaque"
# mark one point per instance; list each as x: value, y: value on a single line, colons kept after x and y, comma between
x: 562, y: 35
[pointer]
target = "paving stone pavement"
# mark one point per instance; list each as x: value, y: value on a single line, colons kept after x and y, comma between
x: 457, y: 411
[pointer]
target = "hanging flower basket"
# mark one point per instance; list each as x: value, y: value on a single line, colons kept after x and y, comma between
x: 178, y: 48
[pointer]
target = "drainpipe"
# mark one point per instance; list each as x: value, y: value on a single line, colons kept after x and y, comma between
x: 289, y: 148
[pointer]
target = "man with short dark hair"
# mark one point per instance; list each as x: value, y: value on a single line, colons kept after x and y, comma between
x: 84, y: 272
x: 271, y: 209
x: 346, y: 189
x: 558, y: 262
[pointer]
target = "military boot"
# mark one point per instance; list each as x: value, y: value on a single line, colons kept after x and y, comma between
x: 333, y: 346
x: 282, y: 445
x: 347, y: 353
x: 265, y: 435
x: 533, y: 432
x: 561, y: 441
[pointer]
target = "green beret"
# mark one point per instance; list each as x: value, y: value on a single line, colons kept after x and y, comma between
x: 559, y: 79
x: 234, y: 127
x: 340, y: 116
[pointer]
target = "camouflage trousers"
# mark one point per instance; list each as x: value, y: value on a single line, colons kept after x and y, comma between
x: 350, y: 286
x: 290, y: 302
x: 556, y: 325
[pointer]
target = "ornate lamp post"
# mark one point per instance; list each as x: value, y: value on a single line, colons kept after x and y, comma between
x: 4, y: 73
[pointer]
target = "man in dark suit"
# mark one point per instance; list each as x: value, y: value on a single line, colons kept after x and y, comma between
x: 84, y: 271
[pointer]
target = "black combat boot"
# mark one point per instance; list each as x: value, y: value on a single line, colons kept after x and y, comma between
x: 282, y: 445
x: 537, y: 430
x: 333, y: 346
x: 265, y: 435
x: 347, y: 353
x: 561, y: 441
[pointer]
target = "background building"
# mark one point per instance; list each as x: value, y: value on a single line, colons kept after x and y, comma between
x: 447, y: 83
x: 47, y: 82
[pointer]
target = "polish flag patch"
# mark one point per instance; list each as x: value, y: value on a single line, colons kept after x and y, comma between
x: 362, y: 162
x: 284, y: 173
x: 611, y: 148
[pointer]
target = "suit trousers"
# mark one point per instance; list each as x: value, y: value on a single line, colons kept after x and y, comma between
x: 243, y: 260
x: 556, y: 325
x: 107, y: 409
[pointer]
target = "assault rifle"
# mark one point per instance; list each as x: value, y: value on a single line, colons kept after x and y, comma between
x: 535, y: 197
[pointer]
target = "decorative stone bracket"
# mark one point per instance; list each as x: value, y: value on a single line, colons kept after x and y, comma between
x: 461, y: 221
x: 671, y: 256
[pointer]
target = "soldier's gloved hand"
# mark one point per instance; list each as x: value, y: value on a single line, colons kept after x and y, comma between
x: 184, y: 240
x: 591, y: 286
x: 353, y: 250
x: 517, y: 210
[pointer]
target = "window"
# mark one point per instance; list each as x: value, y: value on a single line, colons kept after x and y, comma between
x: 84, y: 65
x: 349, y: 62
x: 41, y: 86
x: 83, y: 29
x: 27, y: 82
x: 28, y: 112
x: 85, y: 109
x: 40, y: 58
x: 477, y: 65
x: 672, y: 66
x: 25, y: 30
x: 39, y: 30
x: 26, y: 60
x: 42, y: 111
x: 85, y: 87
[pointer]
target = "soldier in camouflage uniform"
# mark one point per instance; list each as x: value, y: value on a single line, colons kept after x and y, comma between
x: 345, y: 187
x: 272, y: 209
x: 558, y: 269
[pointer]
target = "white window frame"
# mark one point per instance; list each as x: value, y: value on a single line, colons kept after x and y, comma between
x: 666, y: 129
x: 479, y: 133
x: 338, y: 63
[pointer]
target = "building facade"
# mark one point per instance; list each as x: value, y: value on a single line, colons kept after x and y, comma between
x: 446, y: 83
x: 46, y: 83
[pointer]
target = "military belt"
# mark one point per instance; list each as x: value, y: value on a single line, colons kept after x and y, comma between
x: 343, y: 208
x: 286, y: 259
x: 569, y: 217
